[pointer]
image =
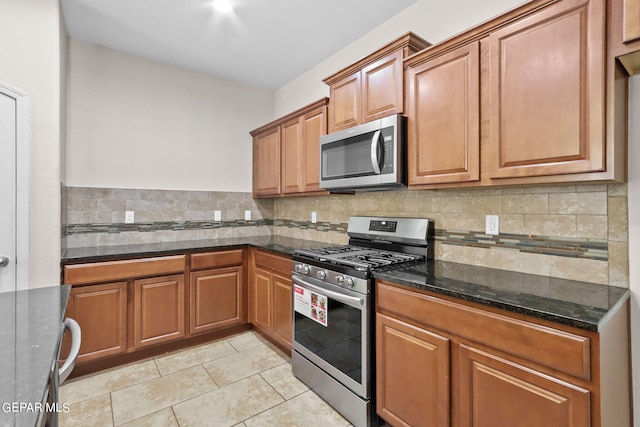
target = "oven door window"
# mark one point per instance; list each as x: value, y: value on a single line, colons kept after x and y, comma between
x: 339, y: 343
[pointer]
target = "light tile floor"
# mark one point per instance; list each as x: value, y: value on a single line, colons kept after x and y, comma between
x: 239, y: 381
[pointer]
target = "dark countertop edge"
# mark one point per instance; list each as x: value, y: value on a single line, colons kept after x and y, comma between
x: 284, y: 246
x: 38, y: 386
x: 512, y: 308
x: 267, y: 243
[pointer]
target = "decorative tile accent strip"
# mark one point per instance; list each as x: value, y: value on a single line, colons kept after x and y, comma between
x: 308, y: 225
x: 142, y: 227
x: 595, y: 249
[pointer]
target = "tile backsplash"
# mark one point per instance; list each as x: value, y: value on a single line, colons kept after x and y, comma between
x: 575, y: 232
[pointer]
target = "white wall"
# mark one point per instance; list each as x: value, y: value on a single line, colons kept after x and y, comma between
x: 633, y: 190
x: 136, y: 123
x: 30, y: 62
x: 431, y: 20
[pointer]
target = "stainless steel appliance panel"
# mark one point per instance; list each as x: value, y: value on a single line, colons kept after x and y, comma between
x: 341, y: 347
x: 365, y: 157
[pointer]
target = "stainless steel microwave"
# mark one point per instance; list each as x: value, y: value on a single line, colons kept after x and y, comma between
x: 366, y: 157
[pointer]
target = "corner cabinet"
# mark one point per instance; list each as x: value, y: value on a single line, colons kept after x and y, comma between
x: 372, y: 87
x: 286, y: 153
x: 266, y: 162
x: 531, y: 97
x: 442, y: 362
x: 132, y: 307
x: 270, y: 297
x: 122, y: 306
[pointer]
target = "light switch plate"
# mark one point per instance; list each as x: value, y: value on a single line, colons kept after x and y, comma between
x: 493, y: 224
x: 217, y: 216
x: 247, y: 215
x: 129, y: 217
x: 314, y: 217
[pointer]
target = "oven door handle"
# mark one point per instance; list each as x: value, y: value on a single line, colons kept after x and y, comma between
x: 345, y: 299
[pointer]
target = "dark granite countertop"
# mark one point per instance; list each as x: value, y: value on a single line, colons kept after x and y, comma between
x: 31, y: 331
x: 578, y: 304
x: 279, y: 244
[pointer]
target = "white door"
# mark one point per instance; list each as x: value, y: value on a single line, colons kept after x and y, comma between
x: 13, y: 198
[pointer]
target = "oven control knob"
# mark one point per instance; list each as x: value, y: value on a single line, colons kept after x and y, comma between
x: 322, y: 274
x: 350, y: 282
x: 306, y: 269
x: 340, y: 280
x: 298, y: 268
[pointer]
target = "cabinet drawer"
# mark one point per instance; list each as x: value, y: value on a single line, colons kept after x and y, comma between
x: 276, y: 263
x: 119, y: 270
x: 556, y: 349
x: 216, y: 259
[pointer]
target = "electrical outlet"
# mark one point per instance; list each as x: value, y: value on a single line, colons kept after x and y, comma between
x: 129, y: 217
x: 247, y: 215
x: 314, y: 217
x: 493, y: 224
x: 217, y: 216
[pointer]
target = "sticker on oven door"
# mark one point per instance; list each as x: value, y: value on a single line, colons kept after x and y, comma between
x: 310, y: 304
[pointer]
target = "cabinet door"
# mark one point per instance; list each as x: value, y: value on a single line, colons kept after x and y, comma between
x: 345, y: 104
x: 266, y: 163
x: 444, y: 118
x: 497, y: 392
x: 158, y: 310
x: 412, y: 372
x: 101, y: 312
x: 314, y: 125
x: 292, y: 156
x: 260, y: 299
x: 382, y: 88
x: 631, y: 23
x: 547, y: 84
x: 215, y: 299
x: 282, y: 310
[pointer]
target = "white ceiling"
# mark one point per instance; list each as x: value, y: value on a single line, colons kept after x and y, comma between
x: 263, y: 43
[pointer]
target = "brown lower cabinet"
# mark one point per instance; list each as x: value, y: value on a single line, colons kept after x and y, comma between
x: 270, y: 309
x: 216, y: 299
x: 128, y: 306
x: 101, y: 311
x: 158, y: 310
x: 441, y: 362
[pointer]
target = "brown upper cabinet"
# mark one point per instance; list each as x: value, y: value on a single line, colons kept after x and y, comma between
x: 530, y: 97
x: 625, y: 33
x: 372, y: 87
x: 444, y: 117
x: 286, y: 153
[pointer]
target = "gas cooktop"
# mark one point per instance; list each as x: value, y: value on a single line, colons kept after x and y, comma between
x: 360, y: 258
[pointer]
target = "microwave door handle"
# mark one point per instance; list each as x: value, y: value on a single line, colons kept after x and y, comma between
x: 375, y: 161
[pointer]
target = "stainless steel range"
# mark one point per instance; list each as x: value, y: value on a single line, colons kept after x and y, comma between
x: 333, y: 317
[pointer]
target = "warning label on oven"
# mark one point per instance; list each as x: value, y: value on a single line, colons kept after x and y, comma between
x: 310, y: 304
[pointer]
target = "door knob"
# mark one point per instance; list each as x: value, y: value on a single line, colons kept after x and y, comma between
x: 4, y: 261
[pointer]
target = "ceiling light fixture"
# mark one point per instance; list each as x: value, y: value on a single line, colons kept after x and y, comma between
x: 223, y: 6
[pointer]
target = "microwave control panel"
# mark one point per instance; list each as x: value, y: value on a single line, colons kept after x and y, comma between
x: 387, y: 156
